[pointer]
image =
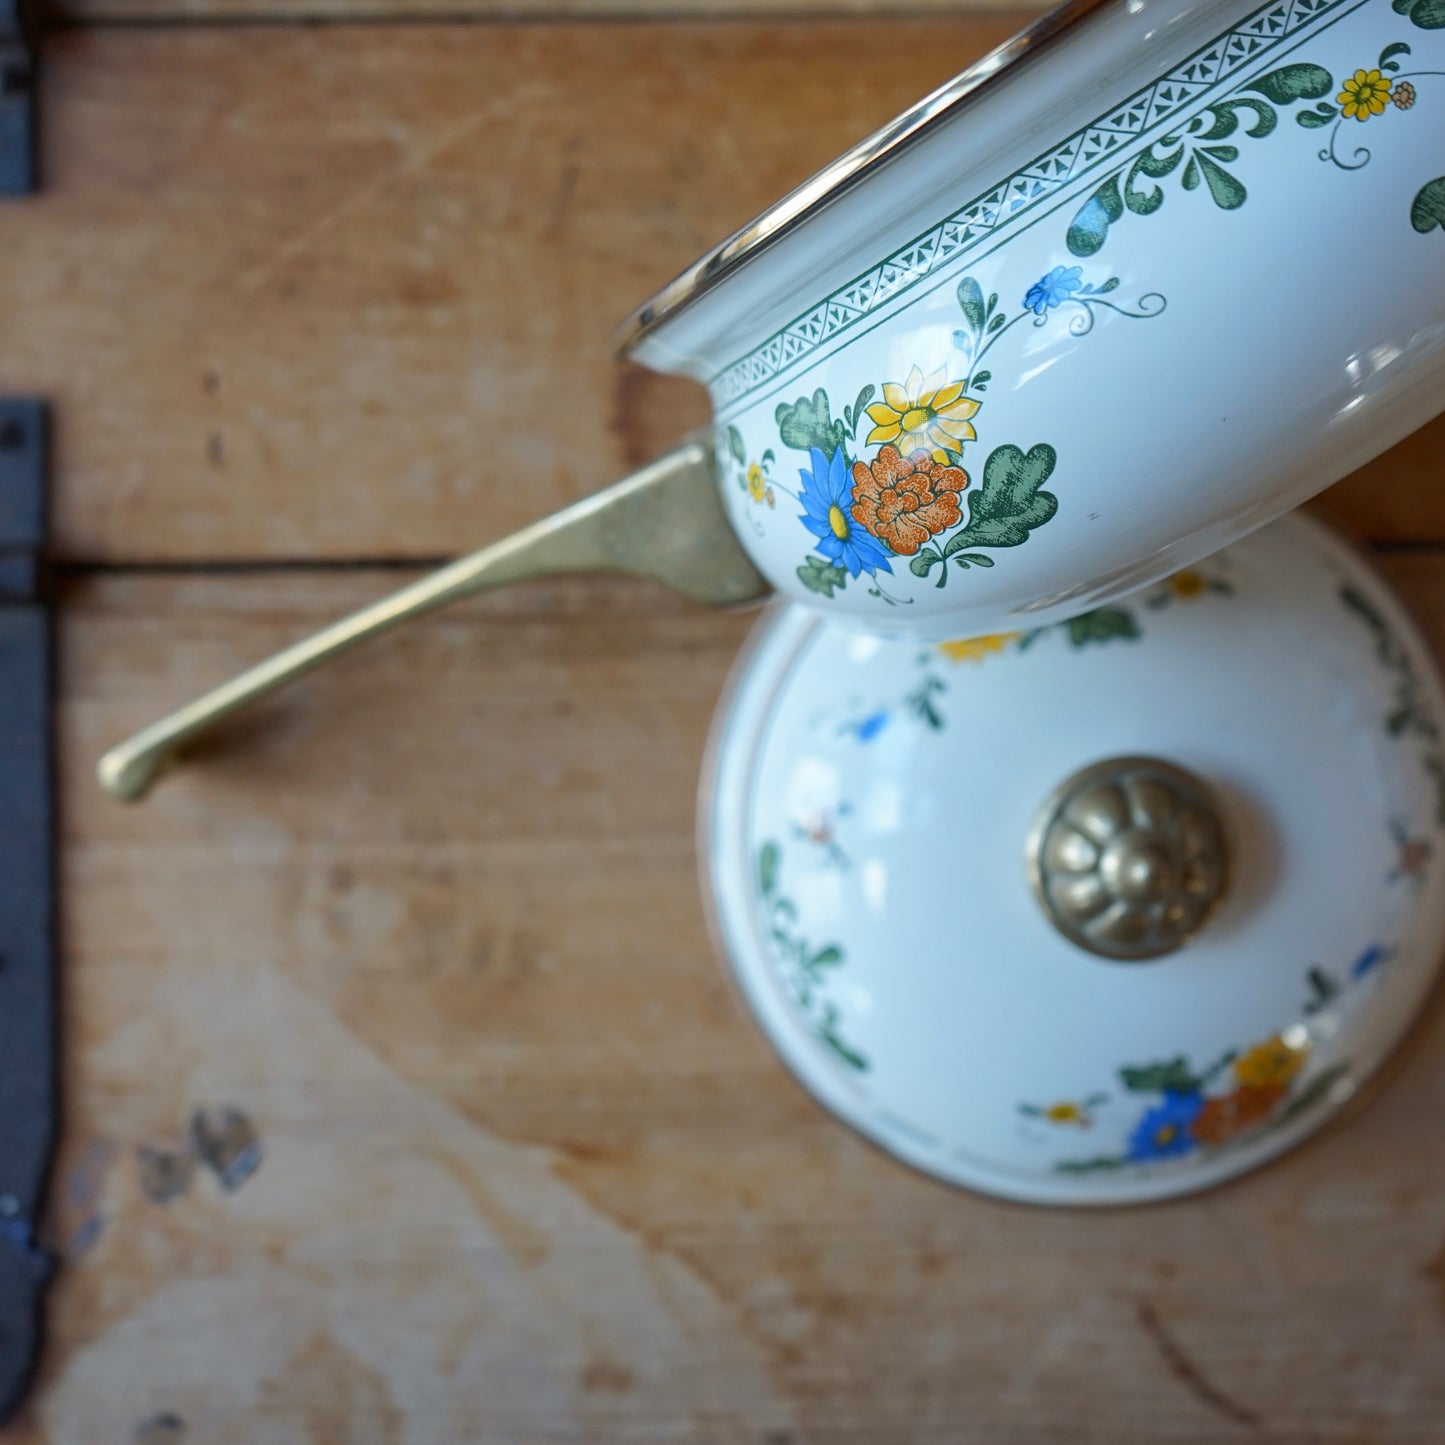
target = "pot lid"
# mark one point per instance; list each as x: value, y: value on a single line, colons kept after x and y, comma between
x: 870, y: 803
x: 853, y: 166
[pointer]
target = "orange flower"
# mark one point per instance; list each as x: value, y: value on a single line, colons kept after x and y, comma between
x: 906, y: 500
x: 1223, y: 1117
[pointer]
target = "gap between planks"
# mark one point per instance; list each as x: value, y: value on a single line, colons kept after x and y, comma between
x: 81, y: 568
x: 242, y: 14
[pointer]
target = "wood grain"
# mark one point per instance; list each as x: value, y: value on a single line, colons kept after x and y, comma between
x: 530, y: 1175
x: 346, y: 292
x: 134, y: 12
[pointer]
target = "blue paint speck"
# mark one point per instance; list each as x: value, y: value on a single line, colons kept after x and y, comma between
x: 871, y: 726
x: 1368, y: 961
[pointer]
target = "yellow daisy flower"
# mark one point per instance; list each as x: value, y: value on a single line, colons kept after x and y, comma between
x: 930, y: 413
x: 1067, y: 1112
x: 1187, y: 584
x: 1271, y: 1063
x: 975, y: 649
x: 757, y: 483
x: 1364, y: 94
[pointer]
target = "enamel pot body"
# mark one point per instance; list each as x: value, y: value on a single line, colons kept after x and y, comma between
x: 1153, y: 287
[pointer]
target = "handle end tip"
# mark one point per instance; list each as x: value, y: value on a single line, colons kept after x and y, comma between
x: 127, y: 776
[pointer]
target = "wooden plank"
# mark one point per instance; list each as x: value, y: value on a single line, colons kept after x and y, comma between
x: 347, y: 292
x: 131, y: 12
x: 529, y: 1174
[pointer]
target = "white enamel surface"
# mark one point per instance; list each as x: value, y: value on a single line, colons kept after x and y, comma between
x: 1302, y: 332
x: 904, y: 851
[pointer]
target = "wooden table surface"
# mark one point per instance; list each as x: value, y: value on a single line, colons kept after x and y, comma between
x: 316, y: 304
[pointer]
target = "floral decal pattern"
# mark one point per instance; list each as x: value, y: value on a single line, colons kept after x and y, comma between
x: 1409, y: 717
x: 1363, y: 96
x: 1238, y: 1097
x: 1206, y: 146
x: 1103, y: 624
x: 914, y: 498
x: 804, y: 969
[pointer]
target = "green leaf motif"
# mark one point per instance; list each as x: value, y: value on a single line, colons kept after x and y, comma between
x: 1093, y: 1166
x: 1090, y: 227
x: 1228, y: 192
x: 768, y: 868
x: 970, y: 300
x: 827, y: 1032
x: 1312, y: 120
x: 1172, y: 1077
x: 864, y: 397
x: 924, y: 563
x: 1226, y: 119
x: 1324, y: 988
x: 1427, y: 14
x: 819, y: 575
x: 1101, y: 625
x: 735, y: 446
x: 1360, y: 605
x: 1313, y: 1093
x: 802, y: 965
x: 1390, y: 52
x: 1141, y: 202
x: 1206, y: 159
x: 1296, y: 82
x: 808, y: 424
x: 1427, y: 210
x: 1011, y: 502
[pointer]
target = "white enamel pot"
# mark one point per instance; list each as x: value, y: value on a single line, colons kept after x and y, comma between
x: 1141, y: 280
x: 1170, y: 272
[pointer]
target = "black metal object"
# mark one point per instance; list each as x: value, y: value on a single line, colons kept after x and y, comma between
x: 17, y: 99
x: 27, y: 890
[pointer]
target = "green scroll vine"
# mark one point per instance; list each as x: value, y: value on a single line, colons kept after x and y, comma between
x: 804, y: 968
x: 1202, y: 152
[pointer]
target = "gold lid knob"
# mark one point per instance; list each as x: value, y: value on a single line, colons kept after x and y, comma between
x: 1128, y: 858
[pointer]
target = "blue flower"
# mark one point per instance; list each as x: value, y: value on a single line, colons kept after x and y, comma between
x: 826, y: 498
x: 1165, y: 1129
x: 1054, y: 289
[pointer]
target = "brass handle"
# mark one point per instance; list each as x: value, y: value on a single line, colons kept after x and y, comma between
x: 665, y: 522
